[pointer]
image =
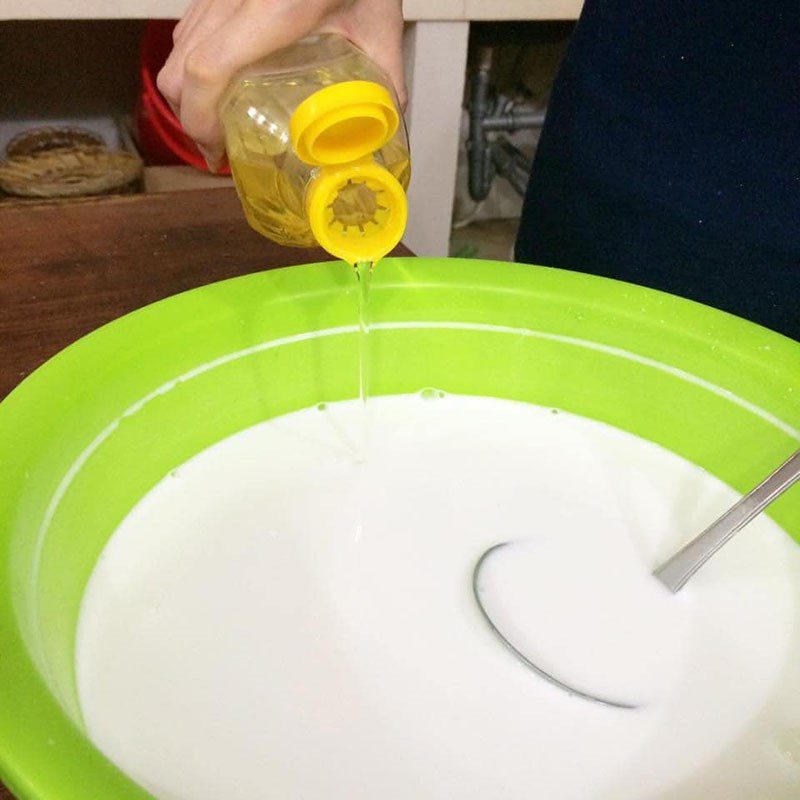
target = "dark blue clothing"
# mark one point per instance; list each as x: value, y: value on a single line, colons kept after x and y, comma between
x: 670, y: 156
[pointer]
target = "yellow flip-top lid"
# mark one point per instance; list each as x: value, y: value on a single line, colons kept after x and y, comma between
x: 343, y: 122
x: 357, y: 211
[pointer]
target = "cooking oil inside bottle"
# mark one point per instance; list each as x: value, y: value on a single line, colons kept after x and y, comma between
x: 272, y: 188
x: 272, y: 197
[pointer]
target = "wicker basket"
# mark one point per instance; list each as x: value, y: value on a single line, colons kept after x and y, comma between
x: 38, y: 140
x: 70, y: 172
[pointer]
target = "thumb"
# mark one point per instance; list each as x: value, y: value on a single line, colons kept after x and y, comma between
x: 389, y: 56
x: 377, y: 29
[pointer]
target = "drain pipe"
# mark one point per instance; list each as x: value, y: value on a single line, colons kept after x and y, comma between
x: 513, y: 121
x: 511, y: 164
x: 479, y: 156
x: 486, y: 159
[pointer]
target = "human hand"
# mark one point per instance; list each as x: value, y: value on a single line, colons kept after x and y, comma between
x: 217, y: 38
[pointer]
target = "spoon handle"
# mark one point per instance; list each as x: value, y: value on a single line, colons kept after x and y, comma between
x: 677, y: 570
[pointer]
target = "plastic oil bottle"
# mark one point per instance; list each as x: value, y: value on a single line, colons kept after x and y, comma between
x: 319, y: 154
x: 318, y: 149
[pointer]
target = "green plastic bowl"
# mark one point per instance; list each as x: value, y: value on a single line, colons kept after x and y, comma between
x: 90, y: 432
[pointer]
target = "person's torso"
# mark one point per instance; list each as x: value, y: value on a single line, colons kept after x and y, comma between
x: 694, y: 106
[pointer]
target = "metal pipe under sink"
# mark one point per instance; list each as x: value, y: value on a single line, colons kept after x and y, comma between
x: 495, y: 114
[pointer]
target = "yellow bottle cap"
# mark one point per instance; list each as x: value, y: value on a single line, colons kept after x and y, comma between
x: 357, y: 211
x: 343, y: 122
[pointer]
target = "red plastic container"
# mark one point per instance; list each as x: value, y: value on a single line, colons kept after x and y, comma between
x: 159, y: 135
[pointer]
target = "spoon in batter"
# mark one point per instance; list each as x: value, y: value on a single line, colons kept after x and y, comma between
x: 673, y: 573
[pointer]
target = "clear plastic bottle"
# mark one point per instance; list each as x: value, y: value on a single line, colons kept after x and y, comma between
x: 318, y: 149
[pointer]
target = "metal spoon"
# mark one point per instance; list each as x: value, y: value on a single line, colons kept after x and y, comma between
x: 677, y: 570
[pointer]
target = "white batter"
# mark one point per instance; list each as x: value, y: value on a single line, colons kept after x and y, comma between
x: 277, y: 620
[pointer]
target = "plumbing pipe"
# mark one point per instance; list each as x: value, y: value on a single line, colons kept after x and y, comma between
x: 478, y: 153
x: 513, y: 121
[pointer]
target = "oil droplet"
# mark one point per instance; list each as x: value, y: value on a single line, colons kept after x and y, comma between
x: 322, y: 406
x: 429, y: 393
x: 554, y: 411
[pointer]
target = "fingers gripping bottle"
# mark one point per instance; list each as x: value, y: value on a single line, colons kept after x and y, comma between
x: 318, y: 149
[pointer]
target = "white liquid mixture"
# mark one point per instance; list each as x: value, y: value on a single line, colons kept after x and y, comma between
x: 276, y: 620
